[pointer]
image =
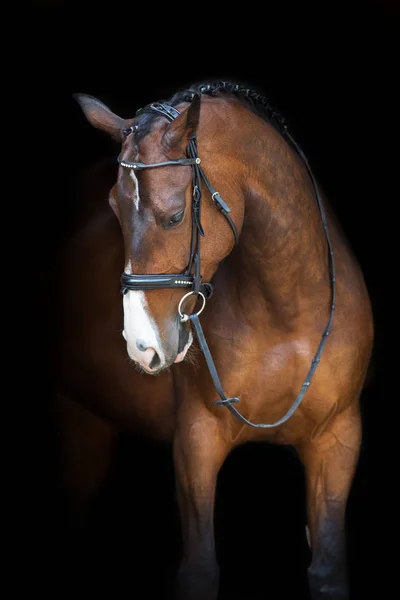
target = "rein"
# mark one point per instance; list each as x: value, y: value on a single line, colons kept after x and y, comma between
x: 193, y: 280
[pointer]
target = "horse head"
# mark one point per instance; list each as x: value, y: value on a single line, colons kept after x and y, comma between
x: 157, y: 199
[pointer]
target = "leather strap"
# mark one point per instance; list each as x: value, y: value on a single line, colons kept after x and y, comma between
x: 157, y: 282
x: 138, y: 166
x: 165, y: 110
x: 210, y: 363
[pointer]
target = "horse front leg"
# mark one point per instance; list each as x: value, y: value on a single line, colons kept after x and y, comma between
x: 330, y: 462
x: 199, y: 452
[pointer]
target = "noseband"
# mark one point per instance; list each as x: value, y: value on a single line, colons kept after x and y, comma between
x: 187, y: 279
x: 192, y: 281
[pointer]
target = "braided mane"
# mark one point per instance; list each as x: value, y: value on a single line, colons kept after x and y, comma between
x: 255, y: 101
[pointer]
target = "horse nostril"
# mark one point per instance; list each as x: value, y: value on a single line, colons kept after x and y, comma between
x: 141, y: 346
x: 155, y: 361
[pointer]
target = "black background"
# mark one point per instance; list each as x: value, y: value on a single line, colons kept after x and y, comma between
x: 331, y: 73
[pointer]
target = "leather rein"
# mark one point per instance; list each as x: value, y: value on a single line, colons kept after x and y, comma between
x: 192, y: 279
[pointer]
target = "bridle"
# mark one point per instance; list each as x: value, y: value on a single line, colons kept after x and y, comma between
x: 186, y: 279
x: 191, y: 278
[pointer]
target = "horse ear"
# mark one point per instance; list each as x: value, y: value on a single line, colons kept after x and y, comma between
x: 101, y: 117
x: 179, y: 131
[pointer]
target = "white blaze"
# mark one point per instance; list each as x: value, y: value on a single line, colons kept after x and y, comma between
x: 136, y: 192
x: 139, y: 328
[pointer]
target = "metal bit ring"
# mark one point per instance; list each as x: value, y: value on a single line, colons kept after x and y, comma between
x: 184, y: 317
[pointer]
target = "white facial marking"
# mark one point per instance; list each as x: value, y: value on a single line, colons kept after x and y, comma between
x: 140, y: 329
x: 136, y: 186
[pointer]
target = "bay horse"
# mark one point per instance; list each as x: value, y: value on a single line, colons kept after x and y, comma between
x: 244, y: 316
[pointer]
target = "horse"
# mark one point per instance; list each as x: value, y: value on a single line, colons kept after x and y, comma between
x: 212, y: 300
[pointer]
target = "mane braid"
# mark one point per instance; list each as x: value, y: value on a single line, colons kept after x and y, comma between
x: 255, y: 101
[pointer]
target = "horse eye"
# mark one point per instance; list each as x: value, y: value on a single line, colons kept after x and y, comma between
x: 176, y: 219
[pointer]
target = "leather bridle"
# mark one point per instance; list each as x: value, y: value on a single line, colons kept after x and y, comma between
x: 191, y: 278
x: 187, y: 279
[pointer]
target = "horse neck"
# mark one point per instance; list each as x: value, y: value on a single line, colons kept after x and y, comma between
x: 282, y: 251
